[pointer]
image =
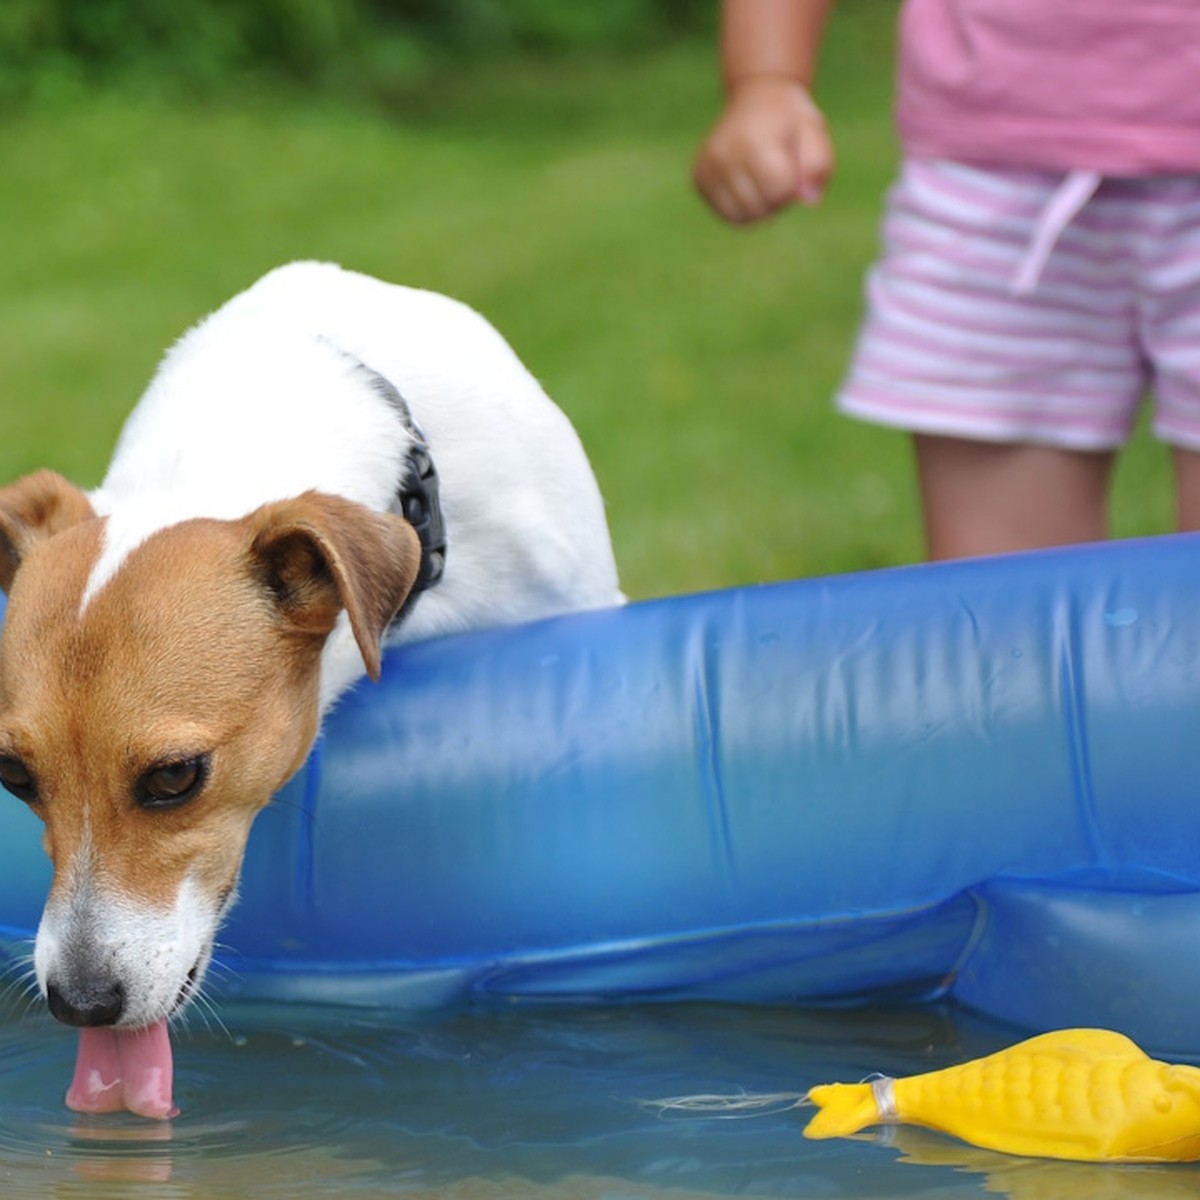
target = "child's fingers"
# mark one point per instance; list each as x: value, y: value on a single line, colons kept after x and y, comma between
x: 747, y: 183
x: 770, y: 148
x: 729, y: 186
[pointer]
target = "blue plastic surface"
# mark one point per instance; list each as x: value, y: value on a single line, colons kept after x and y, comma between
x: 977, y: 779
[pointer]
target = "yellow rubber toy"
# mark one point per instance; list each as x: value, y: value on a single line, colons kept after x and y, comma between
x: 1083, y: 1094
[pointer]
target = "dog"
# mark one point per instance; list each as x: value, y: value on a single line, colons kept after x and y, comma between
x: 326, y: 464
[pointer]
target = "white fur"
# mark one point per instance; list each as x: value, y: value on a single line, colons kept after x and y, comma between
x: 89, y: 930
x: 263, y: 401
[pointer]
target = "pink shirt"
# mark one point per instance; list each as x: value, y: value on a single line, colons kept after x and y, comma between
x: 1106, y: 85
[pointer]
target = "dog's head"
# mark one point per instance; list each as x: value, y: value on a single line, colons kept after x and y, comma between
x: 151, y: 707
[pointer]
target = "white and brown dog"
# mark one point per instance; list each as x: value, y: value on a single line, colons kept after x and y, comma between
x: 322, y: 453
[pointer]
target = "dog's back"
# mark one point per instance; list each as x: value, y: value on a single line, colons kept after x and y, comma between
x: 268, y: 398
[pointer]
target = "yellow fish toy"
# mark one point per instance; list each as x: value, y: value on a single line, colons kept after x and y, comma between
x: 1089, y: 1095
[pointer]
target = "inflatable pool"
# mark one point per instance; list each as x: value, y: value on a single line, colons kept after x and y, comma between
x: 976, y: 780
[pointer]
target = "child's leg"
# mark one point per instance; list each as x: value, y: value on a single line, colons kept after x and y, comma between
x: 1169, y: 311
x: 1187, y: 489
x: 993, y: 498
x: 1018, y: 401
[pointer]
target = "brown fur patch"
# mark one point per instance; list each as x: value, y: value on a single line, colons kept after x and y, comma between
x: 33, y: 509
x: 320, y: 554
x: 206, y: 641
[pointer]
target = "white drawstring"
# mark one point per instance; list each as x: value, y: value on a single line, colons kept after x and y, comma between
x: 1061, y: 209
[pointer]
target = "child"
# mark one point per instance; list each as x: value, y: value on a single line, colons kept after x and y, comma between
x: 1041, y: 247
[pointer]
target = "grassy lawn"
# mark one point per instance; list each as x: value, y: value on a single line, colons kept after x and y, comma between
x: 697, y: 361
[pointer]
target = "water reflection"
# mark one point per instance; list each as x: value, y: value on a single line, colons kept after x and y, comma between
x: 1031, y: 1179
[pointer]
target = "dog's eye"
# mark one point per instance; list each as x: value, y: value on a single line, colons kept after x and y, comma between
x: 170, y: 784
x: 16, y: 777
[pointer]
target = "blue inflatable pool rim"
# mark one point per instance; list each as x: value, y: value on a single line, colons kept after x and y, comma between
x: 974, y: 780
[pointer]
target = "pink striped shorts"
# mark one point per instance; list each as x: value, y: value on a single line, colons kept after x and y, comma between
x: 1022, y: 306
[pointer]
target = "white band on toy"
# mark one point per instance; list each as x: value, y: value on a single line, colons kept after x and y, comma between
x: 884, y: 1091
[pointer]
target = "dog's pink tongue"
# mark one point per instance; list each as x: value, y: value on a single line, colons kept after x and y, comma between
x: 124, y: 1069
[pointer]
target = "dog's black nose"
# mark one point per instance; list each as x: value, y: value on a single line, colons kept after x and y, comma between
x: 101, y: 1004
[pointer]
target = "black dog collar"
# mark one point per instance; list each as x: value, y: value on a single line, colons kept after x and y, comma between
x: 419, y: 502
x: 418, y: 499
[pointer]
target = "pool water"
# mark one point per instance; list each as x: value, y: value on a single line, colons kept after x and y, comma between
x: 527, y: 1103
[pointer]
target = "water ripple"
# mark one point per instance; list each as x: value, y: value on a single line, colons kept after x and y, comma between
x: 289, y: 1103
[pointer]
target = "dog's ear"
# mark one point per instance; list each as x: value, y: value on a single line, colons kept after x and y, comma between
x: 319, y: 554
x: 34, y: 508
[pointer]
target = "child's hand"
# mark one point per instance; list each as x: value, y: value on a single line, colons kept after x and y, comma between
x: 770, y: 148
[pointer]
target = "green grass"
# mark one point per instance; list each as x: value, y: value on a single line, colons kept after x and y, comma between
x: 697, y: 361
